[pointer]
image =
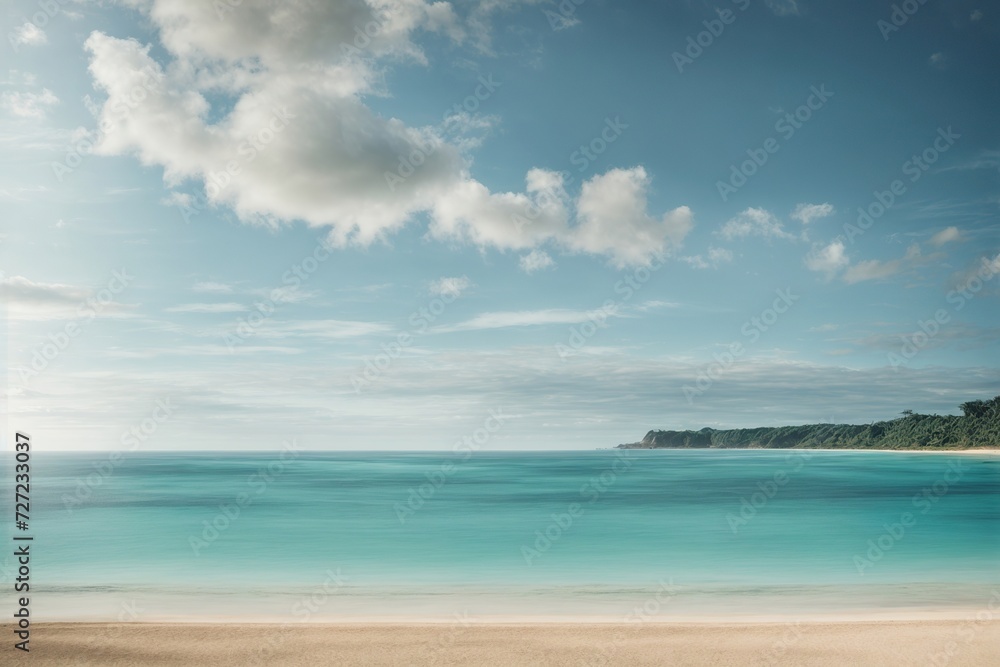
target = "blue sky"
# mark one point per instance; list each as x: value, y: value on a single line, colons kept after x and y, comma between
x: 283, y: 227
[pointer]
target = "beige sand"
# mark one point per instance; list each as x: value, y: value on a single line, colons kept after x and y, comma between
x: 952, y: 643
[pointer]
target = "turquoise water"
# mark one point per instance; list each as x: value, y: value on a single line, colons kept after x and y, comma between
x: 353, y: 531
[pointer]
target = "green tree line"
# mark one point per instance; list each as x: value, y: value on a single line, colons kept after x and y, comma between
x: 977, y: 426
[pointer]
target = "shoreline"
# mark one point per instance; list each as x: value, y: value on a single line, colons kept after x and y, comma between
x: 986, y: 451
x: 968, y: 643
x: 893, y: 615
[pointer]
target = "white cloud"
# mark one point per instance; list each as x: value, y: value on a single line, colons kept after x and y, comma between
x: 938, y: 60
x: 754, y: 222
x: 29, y: 34
x: 322, y: 329
x: 871, y: 269
x: 453, y: 287
x: 946, y: 235
x: 536, y: 260
x: 613, y: 219
x: 525, y: 318
x: 806, y: 213
x: 29, y: 300
x: 207, y: 308
x: 976, y: 15
x: 829, y: 259
x: 212, y: 288
x: 878, y: 270
x: 508, y: 220
x: 289, y: 72
x: 715, y: 257
x: 28, y: 105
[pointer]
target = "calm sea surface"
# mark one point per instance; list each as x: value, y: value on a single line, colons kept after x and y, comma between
x: 678, y: 533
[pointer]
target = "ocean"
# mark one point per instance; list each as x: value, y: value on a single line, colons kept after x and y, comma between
x: 308, y: 536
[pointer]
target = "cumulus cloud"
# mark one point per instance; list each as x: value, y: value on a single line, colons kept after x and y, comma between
x: 806, y: 213
x: 829, y: 259
x: 298, y: 141
x: 453, y: 287
x: 536, y: 260
x: 754, y: 222
x: 613, y: 218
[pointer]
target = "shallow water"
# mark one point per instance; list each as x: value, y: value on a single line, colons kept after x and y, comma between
x: 686, y: 533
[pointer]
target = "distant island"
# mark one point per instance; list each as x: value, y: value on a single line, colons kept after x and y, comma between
x: 977, y: 426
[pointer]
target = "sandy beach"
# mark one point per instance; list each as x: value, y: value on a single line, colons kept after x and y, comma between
x: 953, y: 643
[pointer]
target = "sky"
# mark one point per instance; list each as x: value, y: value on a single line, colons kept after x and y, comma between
x: 520, y: 224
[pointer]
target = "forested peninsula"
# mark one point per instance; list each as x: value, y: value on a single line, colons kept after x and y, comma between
x: 977, y: 427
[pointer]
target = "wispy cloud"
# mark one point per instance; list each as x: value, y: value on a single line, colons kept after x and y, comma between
x: 754, y: 222
x: 946, y: 235
x: 806, y: 213
x: 207, y: 308
x: 213, y: 288
x: 522, y: 318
